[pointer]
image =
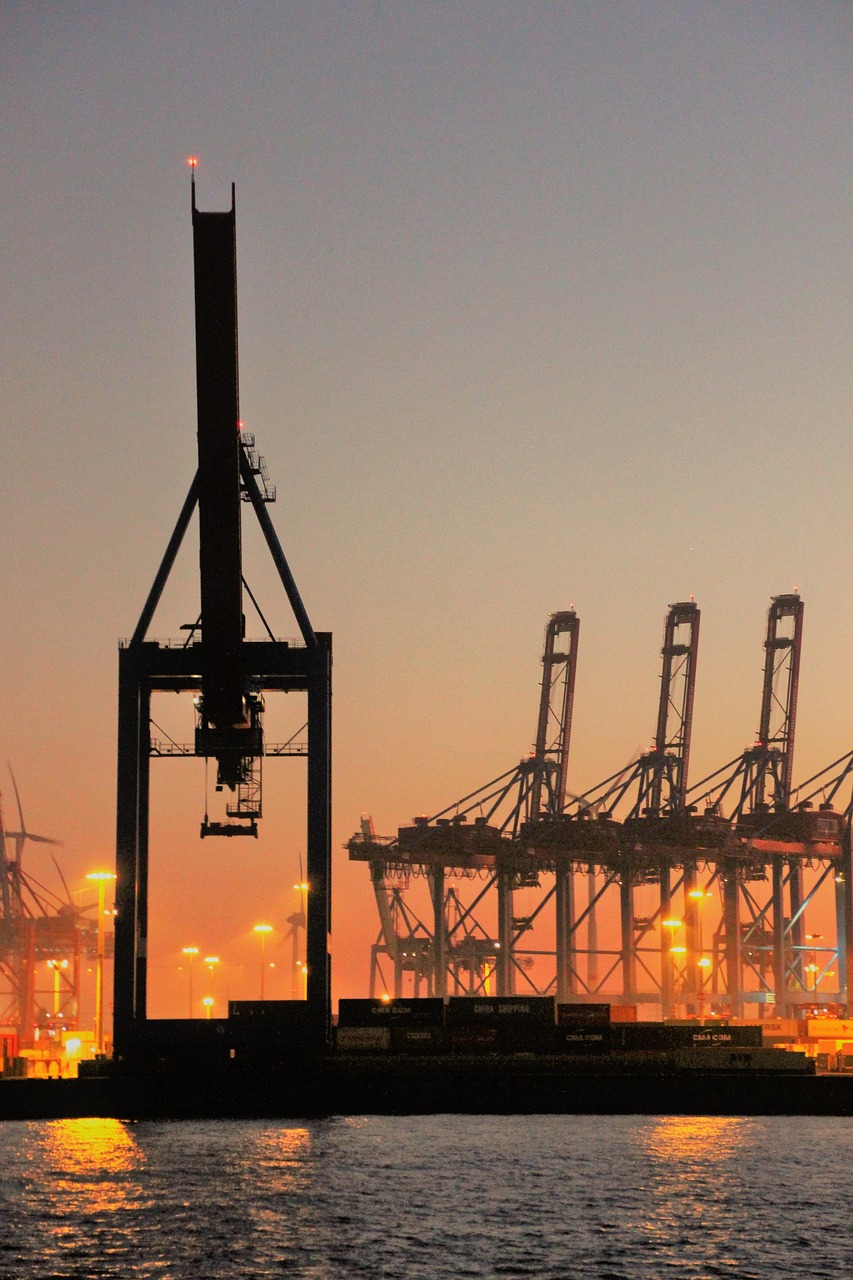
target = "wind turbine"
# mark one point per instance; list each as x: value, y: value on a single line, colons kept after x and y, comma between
x: 13, y: 878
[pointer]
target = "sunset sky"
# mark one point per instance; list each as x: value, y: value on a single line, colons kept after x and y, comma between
x: 541, y: 305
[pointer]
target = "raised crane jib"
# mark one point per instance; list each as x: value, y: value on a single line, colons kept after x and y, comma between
x: 229, y: 726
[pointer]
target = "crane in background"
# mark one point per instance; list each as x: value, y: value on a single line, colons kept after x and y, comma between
x: 645, y: 833
x: 459, y: 948
x: 37, y: 927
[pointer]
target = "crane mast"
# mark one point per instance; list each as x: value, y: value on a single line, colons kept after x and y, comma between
x: 779, y: 698
x: 554, y: 727
x: 765, y: 770
x: 230, y: 717
x: 675, y: 711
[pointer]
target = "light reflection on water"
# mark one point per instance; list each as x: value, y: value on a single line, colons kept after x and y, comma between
x: 689, y: 1143
x: 694, y: 1184
x: 283, y: 1149
x: 88, y: 1151
x: 428, y: 1198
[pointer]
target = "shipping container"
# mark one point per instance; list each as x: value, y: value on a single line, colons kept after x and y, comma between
x: 371, y: 1013
x: 494, y: 1011
x: 267, y: 1024
x: 416, y: 1037
x: 468, y: 1038
x: 525, y: 1037
x: 623, y: 1013
x: 743, y: 1058
x: 582, y: 1039
x: 829, y: 1028
x: 662, y: 1036
x: 363, y: 1039
x: 788, y: 1028
x: 268, y: 1010
x: 586, y: 1015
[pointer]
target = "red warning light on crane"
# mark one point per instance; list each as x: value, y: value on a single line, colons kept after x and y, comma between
x: 192, y: 161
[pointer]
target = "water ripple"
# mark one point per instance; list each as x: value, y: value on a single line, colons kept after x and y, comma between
x: 427, y: 1198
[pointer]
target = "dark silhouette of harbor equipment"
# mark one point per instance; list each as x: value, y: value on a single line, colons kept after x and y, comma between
x: 226, y: 674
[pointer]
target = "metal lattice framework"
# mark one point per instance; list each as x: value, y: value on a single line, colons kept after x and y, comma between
x: 644, y: 833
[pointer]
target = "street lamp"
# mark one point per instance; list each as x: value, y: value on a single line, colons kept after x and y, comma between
x: 669, y: 970
x: 297, y: 921
x: 56, y: 965
x: 190, y: 953
x: 813, y: 967
x: 262, y: 930
x: 704, y: 962
x: 208, y: 1005
x: 101, y: 878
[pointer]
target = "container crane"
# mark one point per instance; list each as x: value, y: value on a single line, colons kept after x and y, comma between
x: 226, y: 673
x: 759, y: 780
x: 479, y: 834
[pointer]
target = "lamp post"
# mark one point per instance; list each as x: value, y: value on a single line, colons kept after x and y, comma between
x: 56, y: 965
x: 704, y: 962
x: 667, y: 955
x: 212, y: 962
x: 262, y: 930
x: 297, y: 921
x: 208, y: 1006
x: 813, y: 967
x: 302, y: 888
x: 100, y: 878
x: 190, y: 953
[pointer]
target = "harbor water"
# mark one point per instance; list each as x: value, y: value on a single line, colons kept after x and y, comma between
x: 428, y: 1198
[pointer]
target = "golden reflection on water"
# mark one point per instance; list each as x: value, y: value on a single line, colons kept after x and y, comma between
x: 84, y: 1146
x: 693, y: 1174
x: 91, y: 1161
x: 284, y: 1150
x: 692, y: 1140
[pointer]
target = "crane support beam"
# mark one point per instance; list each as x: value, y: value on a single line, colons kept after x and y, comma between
x: 439, y: 931
x: 564, y: 907
x: 732, y: 936
x: 666, y: 974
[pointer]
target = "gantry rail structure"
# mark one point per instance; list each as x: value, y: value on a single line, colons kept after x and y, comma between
x: 743, y: 835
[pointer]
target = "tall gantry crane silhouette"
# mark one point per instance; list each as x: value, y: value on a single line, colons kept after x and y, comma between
x: 226, y: 674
